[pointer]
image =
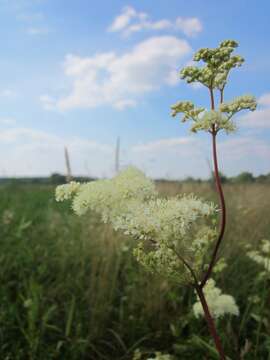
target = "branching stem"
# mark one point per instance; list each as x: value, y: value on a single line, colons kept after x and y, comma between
x: 212, y: 98
x: 220, y: 193
x: 199, y: 287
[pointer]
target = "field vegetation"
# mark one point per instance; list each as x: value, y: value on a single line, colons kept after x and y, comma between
x: 71, y: 288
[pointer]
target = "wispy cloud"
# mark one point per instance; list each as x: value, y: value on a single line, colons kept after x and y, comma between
x: 259, y: 118
x: 120, y: 80
x: 38, y: 31
x: 191, y: 156
x: 7, y: 121
x: 30, y: 17
x: 7, y: 93
x: 132, y: 21
x: 162, y: 144
x: 34, y: 21
x: 34, y: 152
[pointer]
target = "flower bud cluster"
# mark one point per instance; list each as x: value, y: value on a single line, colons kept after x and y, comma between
x: 195, y: 74
x: 66, y: 192
x: 217, y: 120
x: 188, y: 109
x: 211, y: 119
x: 219, y: 304
x: 219, y: 61
x: 244, y: 102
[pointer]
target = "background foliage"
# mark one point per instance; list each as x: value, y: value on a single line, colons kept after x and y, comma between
x: 71, y: 289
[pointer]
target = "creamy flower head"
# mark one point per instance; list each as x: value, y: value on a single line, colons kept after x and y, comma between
x: 66, y: 191
x: 104, y: 196
x: 165, y: 229
x: 160, y: 356
x: 262, y: 255
x: 219, y: 304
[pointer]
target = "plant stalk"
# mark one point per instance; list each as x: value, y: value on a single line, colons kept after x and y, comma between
x: 210, y: 322
x: 223, y: 212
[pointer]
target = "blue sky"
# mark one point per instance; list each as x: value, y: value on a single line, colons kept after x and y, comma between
x: 80, y: 73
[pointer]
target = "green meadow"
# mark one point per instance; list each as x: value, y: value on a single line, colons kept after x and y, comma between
x: 70, y: 287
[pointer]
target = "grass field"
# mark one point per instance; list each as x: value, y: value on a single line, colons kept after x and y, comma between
x: 71, y: 289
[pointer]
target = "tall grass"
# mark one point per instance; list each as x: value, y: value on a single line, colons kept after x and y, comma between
x: 70, y: 288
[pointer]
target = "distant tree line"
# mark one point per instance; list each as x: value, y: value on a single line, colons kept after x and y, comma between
x: 244, y: 177
x: 56, y: 179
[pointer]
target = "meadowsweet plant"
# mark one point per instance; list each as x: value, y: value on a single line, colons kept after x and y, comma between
x: 176, y: 237
x: 214, y: 75
x: 168, y: 232
x: 218, y: 303
x: 158, y: 356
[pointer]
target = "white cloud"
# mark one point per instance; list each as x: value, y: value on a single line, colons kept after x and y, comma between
x: 47, y: 101
x: 7, y: 121
x: 162, y: 144
x: 237, y: 148
x: 190, y: 26
x: 131, y: 21
x: 30, y: 17
x: 172, y: 157
x: 7, y: 93
x: 120, y: 80
x: 259, y: 118
x: 245, y: 153
x: 191, y: 156
x: 123, y: 20
x: 38, y: 31
x: 264, y: 99
x: 32, y: 152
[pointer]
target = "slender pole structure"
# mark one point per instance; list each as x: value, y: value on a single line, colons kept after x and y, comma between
x: 68, y: 167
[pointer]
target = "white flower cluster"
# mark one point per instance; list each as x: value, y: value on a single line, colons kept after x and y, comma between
x: 213, y: 118
x: 108, y: 197
x: 219, y: 304
x: 262, y: 256
x: 67, y: 191
x: 160, y: 356
x: 163, y: 219
x: 166, y: 229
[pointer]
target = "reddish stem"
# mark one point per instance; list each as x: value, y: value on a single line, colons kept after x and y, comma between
x: 221, y: 95
x: 212, y: 99
x: 210, y: 322
x: 223, y: 211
